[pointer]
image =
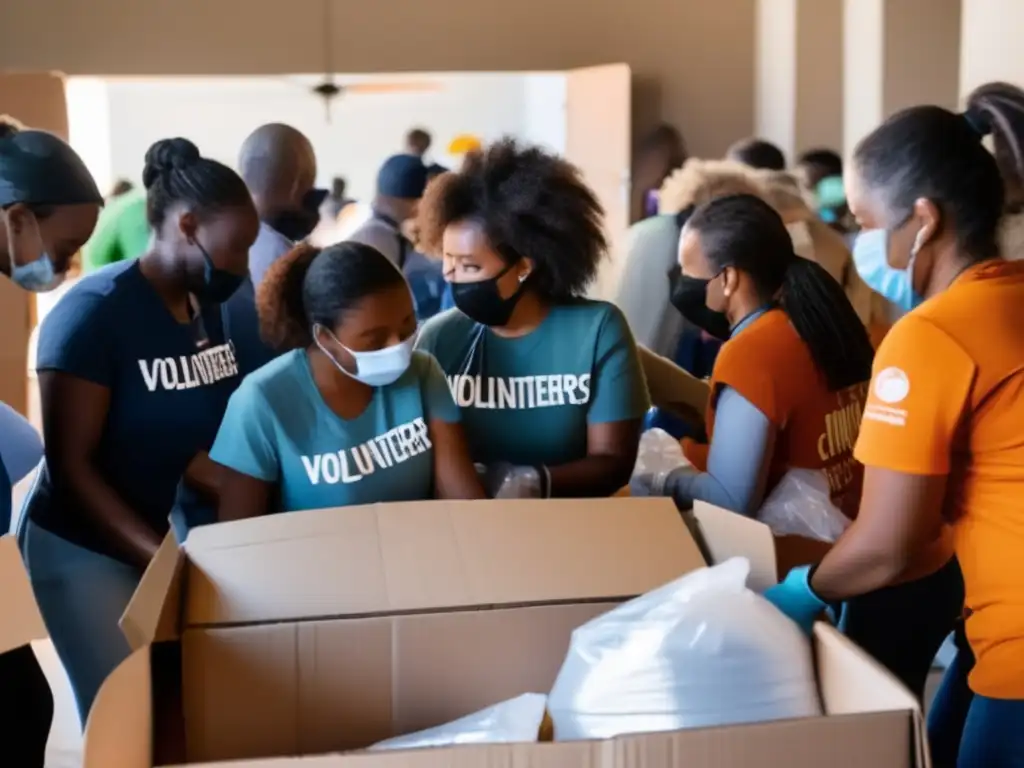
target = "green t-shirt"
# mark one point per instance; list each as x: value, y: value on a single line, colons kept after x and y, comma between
x: 529, y: 400
x: 121, y: 234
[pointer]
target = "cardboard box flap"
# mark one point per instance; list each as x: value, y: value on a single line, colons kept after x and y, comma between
x: 152, y: 614
x: 20, y: 620
x: 851, y: 682
x: 723, y: 534
x: 119, y: 731
x: 425, y: 556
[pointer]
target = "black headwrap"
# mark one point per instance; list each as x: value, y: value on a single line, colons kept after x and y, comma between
x: 39, y: 168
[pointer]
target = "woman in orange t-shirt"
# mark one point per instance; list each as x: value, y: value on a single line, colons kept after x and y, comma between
x: 942, y: 438
x: 787, y: 392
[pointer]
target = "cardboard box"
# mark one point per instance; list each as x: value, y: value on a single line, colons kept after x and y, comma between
x: 315, y: 633
x: 20, y: 620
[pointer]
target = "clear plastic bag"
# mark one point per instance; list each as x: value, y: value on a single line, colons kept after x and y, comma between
x: 701, y: 651
x: 659, y: 453
x: 515, y: 720
x: 801, y: 505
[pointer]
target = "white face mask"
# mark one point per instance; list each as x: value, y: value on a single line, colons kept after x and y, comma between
x: 377, y: 368
x: 31, y: 266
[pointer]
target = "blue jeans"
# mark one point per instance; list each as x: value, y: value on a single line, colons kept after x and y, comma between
x: 993, y: 735
x: 951, y: 705
x: 81, y: 595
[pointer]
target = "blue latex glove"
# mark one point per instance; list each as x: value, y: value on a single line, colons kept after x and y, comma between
x: 795, y: 598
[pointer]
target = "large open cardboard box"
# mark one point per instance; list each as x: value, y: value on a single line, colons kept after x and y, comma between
x: 317, y: 633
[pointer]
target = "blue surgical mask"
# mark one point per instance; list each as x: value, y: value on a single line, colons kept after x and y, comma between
x: 871, y: 258
x: 375, y: 369
x: 37, y: 276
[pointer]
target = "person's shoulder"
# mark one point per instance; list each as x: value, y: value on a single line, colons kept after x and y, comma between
x: 586, y: 312
x: 769, y: 337
x: 93, y: 295
x: 444, y: 325
x: 422, y: 366
x: 280, y: 378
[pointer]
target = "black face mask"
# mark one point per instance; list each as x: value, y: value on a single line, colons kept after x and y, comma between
x: 218, y: 284
x: 482, y: 302
x: 690, y: 296
x: 298, y: 225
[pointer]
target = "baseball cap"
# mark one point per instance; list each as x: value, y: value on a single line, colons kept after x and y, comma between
x: 403, y: 176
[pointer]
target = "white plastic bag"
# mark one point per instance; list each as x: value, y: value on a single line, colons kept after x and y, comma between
x: 659, y: 453
x: 701, y: 651
x: 515, y: 720
x: 801, y: 505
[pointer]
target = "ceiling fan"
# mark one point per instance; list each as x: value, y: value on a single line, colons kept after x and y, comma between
x: 329, y: 89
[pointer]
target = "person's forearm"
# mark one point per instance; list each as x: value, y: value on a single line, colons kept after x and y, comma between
x: 855, y: 566
x: 592, y: 477
x: 204, y: 475
x: 690, y: 486
x: 107, y: 510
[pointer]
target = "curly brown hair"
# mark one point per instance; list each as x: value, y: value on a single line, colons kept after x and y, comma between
x: 279, y: 300
x: 530, y: 203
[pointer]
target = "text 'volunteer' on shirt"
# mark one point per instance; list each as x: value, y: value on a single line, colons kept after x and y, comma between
x: 135, y: 372
x: 549, y: 383
x: 350, y: 414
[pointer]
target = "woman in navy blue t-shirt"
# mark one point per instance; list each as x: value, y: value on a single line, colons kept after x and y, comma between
x: 135, y: 371
x: 48, y: 208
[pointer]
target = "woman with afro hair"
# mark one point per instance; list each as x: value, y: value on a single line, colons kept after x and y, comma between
x: 549, y: 382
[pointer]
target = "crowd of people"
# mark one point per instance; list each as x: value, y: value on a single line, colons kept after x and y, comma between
x: 862, y: 321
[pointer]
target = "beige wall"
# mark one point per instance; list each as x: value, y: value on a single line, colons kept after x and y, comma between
x: 692, y: 60
x: 991, y: 43
x: 898, y: 53
x: 799, y: 59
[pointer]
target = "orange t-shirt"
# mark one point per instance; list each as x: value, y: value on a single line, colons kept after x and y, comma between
x: 947, y: 398
x: 769, y: 364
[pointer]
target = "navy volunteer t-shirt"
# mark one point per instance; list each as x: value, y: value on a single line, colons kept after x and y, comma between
x: 169, y: 384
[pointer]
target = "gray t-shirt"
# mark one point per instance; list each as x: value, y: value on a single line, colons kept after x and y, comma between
x: 382, y: 235
x: 651, y: 251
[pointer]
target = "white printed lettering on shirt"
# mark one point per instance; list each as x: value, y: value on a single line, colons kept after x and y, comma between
x: 190, y: 371
x: 350, y: 465
x: 519, y: 392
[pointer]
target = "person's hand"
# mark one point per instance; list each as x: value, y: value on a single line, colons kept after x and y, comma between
x: 655, y: 483
x: 795, y: 598
x: 502, y: 480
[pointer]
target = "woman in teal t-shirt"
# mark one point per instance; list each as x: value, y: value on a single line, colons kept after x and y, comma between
x: 351, y: 415
x: 549, y: 383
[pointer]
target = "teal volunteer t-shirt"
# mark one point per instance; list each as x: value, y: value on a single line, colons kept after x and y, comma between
x: 279, y: 429
x: 529, y: 400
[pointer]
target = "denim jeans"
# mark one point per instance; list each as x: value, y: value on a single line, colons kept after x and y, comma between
x: 993, y: 735
x: 951, y: 705
x: 81, y: 595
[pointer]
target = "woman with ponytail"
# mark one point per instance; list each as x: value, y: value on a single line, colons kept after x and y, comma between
x: 349, y: 413
x: 941, y: 438
x: 788, y: 390
x: 797, y: 357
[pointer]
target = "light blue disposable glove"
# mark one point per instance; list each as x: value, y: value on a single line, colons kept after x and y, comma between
x: 795, y: 598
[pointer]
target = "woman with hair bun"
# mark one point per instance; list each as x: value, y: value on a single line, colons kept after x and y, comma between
x: 135, y: 372
x: 350, y: 414
x: 549, y: 382
x: 941, y: 438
